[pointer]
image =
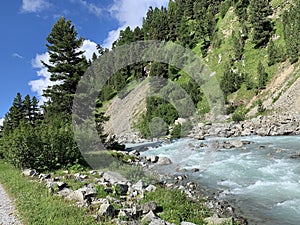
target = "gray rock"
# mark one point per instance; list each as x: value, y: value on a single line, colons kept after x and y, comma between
x: 64, y: 192
x: 152, y: 158
x: 236, y: 143
x: 139, y: 186
x: 61, y: 185
x: 148, y: 217
x: 149, y: 206
x: 151, y: 188
x: 76, y: 195
x: 114, y: 177
x: 121, y: 188
x: 29, y: 172
x: 106, y: 210
x: 187, y: 223
x: 157, y: 221
x: 164, y: 161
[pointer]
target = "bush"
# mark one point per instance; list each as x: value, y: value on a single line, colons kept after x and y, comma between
x: 238, y: 116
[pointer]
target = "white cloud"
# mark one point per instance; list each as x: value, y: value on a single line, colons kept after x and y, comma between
x: 91, y: 7
x: 17, y: 55
x: 129, y: 13
x: 44, y: 81
x: 33, y: 6
x: 1, y: 121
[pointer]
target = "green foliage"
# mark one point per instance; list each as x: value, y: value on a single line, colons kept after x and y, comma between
x: 36, y: 206
x: 231, y: 81
x: 291, y: 31
x: 46, y: 146
x: 176, y: 206
x: 238, y: 116
x: 261, y: 107
x: 66, y: 66
x: 261, y: 24
x: 262, y: 76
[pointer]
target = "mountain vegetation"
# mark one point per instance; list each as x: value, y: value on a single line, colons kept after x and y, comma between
x: 243, y: 41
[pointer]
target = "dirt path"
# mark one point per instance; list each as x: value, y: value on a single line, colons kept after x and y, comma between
x: 7, y: 209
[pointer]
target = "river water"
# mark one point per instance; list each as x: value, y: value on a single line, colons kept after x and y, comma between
x: 261, y: 180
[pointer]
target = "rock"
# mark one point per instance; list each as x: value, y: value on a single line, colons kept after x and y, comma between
x: 121, y: 188
x: 164, y: 161
x: 151, y: 188
x: 106, y: 210
x: 76, y: 195
x: 187, y: 223
x: 157, y: 221
x: 61, y: 185
x: 114, y: 177
x: 29, y: 172
x: 64, y: 192
x: 215, y: 220
x: 236, y: 143
x: 152, y: 158
x: 149, y: 206
x: 43, y: 176
x: 139, y: 186
x: 195, y: 170
x: 88, y: 190
x: 148, y: 217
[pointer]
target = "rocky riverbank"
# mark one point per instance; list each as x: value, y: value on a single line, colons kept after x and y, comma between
x: 111, y: 197
x: 271, y: 125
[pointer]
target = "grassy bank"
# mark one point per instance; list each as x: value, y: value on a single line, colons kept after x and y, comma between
x: 35, y: 205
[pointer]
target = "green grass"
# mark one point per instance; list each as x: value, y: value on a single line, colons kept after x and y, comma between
x: 177, y: 207
x: 36, y: 206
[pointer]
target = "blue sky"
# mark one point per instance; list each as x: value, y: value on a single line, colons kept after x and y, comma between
x: 25, y: 25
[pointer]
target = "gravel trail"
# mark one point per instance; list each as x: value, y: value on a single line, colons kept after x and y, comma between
x: 7, y: 210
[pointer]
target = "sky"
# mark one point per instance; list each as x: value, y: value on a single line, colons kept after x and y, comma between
x: 25, y: 24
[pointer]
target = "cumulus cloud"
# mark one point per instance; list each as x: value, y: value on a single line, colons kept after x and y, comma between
x: 39, y: 85
x: 129, y: 13
x: 1, y: 121
x: 33, y: 6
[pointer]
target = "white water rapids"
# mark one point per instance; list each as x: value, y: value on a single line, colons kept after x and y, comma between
x: 262, y: 179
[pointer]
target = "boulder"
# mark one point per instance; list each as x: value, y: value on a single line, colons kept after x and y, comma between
x: 152, y: 158
x: 236, y: 143
x: 29, y: 172
x: 64, y: 192
x: 148, y: 217
x: 149, y: 206
x: 139, y: 186
x: 106, y: 210
x: 76, y: 195
x: 164, y: 161
x: 151, y: 188
x: 157, y: 221
x: 114, y: 177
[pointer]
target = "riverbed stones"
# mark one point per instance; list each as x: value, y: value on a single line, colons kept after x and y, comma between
x: 215, y: 220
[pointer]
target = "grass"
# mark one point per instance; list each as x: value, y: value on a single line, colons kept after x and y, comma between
x: 35, y: 205
x: 177, y: 207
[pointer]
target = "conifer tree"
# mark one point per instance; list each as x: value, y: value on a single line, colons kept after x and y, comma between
x: 66, y: 65
x: 262, y: 27
x: 262, y: 76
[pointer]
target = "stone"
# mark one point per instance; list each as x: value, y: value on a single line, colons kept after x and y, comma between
x: 187, y: 223
x: 236, y: 143
x: 64, y: 192
x: 61, y: 185
x: 114, y: 177
x: 157, y: 221
x: 43, y: 176
x: 29, y: 172
x: 151, y: 188
x: 148, y: 217
x: 152, y: 158
x: 106, y: 210
x: 139, y: 186
x: 164, y: 161
x: 121, y: 188
x: 149, y: 206
x: 76, y: 195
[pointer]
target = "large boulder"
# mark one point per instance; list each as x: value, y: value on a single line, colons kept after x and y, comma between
x: 106, y: 210
x: 114, y: 177
x: 164, y: 161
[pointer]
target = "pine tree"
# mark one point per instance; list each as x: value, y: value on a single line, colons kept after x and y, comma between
x: 262, y: 27
x: 262, y: 76
x: 67, y: 65
x: 238, y: 46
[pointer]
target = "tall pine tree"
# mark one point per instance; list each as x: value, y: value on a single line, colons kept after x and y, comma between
x: 66, y: 65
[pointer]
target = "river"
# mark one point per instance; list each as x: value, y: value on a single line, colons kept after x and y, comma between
x: 261, y: 179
